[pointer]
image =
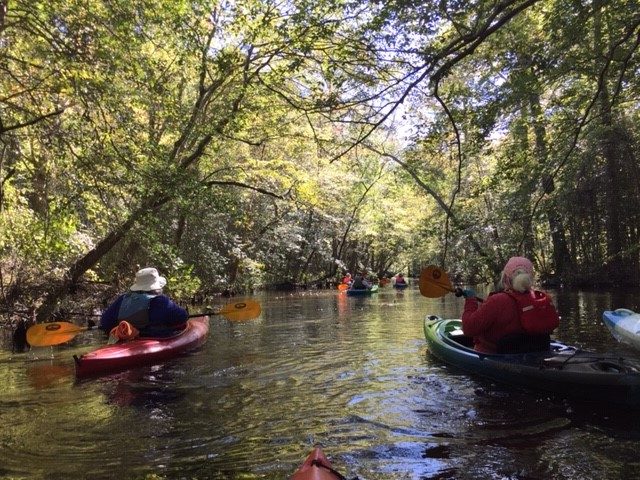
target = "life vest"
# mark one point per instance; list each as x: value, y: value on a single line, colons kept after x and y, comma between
x: 135, y: 309
x: 537, y: 313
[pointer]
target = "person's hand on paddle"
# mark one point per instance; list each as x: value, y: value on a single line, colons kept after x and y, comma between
x: 465, y: 292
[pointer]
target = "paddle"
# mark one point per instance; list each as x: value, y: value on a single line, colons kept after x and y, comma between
x: 237, y: 312
x: 55, y: 333
x: 434, y: 282
x: 343, y: 286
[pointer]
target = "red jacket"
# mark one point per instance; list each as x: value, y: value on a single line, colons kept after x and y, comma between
x: 491, y: 320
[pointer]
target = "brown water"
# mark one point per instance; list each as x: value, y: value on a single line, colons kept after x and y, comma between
x: 352, y: 374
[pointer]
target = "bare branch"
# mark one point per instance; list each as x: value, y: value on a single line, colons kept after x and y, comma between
x: 33, y: 121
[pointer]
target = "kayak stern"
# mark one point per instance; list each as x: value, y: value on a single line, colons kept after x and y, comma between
x: 142, y: 351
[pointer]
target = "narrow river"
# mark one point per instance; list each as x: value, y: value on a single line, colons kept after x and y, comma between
x: 352, y: 374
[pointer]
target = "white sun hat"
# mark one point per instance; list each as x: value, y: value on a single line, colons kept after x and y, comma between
x: 148, y: 279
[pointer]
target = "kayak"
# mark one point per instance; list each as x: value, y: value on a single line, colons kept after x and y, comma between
x: 316, y: 467
x: 142, y: 351
x: 362, y: 291
x: 400, y: 286
x: 561, y: 369
x: 624, y: 325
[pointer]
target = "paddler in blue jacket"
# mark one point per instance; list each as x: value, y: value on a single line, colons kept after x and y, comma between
x: 144, y: 310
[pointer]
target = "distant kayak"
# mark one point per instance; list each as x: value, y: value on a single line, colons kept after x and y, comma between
x: 400, y: 286
x: 142, y: 351
x: 362, y: 291
x: 561, y: 369
x: 317, y: 467
x: 624, y: 325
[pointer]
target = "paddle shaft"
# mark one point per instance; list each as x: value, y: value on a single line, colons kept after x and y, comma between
x: 55, y: 333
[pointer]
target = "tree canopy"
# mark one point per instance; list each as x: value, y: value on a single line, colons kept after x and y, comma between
x: 236, y: 145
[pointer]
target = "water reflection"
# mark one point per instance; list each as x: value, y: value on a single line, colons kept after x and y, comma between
x: 43, y: 375
x: 351, y: 373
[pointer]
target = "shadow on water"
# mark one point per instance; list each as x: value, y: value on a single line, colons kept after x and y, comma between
x: 351, y: 373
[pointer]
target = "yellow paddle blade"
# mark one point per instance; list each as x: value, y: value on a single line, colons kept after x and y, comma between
x: 54, y: 333
x: 434, y: 282
x: 239, y: 311
x: 343, y: 286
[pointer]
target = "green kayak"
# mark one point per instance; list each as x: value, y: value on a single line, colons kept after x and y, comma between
x: 562, y: 369
x: 354, y: 292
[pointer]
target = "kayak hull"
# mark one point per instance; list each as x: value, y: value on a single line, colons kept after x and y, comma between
x: 356, y: 292
x: 624, y: 325
x: 316, y: 467
x: 400, y: 286
x: 563, y: 370
x: 142, y: 351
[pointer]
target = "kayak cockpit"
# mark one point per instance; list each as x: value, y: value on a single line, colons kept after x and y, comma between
x: 510, y: 344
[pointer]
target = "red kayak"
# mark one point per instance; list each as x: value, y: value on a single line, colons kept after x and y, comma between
x: 316, y: 467
x: 142, y: 351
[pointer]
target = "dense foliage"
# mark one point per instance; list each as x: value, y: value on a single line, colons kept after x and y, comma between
x: 235, y: 145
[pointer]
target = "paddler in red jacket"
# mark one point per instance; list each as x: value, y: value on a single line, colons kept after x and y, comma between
x: 505, y: 312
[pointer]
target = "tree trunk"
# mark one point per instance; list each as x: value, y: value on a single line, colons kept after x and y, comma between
x: 561, y: 256
x: 615, y: 266
x: 87, y: 261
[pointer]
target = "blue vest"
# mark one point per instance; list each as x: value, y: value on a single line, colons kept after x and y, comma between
x: 135, y: 309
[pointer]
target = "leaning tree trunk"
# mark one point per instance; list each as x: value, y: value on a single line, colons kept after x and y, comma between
x: 87, y: 261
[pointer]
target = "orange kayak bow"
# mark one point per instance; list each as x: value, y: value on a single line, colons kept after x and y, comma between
x: 317, y: 467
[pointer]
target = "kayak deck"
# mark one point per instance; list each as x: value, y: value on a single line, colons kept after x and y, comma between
x: 316, y: 467
x: 142, y: 351
x: 561, y: 369
x: 624, y: 325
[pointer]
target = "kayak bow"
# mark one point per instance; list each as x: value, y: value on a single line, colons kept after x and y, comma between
x: 316, y: 467
x: 624, y: 325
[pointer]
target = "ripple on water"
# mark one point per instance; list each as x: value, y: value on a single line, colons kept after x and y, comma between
x: 351, y: 374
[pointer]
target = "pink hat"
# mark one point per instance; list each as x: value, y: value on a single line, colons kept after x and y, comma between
x: 518, y: 263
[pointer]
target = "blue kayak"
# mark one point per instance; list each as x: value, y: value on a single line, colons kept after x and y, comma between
x: 624, y: 325
x: 560, y: 369
x: 400, y: 286
x: 354, y: 292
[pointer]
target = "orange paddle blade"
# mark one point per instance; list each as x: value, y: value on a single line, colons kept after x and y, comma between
x: 434, y: 282
x: 343, y: 286
x: 239, y: 311
x: 53, y: 333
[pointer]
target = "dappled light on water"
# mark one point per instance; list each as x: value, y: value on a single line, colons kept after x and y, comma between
x: 350, y: 373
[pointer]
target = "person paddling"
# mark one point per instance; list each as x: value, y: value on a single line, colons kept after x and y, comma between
x: 400, y: 280
x: 144, y: 311
x: 360, y: 282
x: 516, y: 318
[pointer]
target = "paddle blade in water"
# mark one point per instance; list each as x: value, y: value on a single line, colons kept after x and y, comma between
x: 54, y: 333
x: 434, y: 282
x: 239, y: 311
